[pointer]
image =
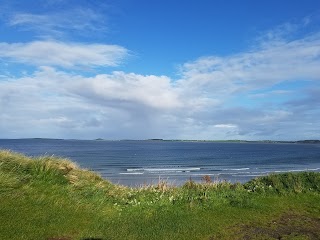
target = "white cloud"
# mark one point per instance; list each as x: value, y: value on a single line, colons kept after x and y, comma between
x: 259, y: 68
x: 225, y: 126
x: 152, y: 91
x: 54, y: 103
x: 65, y: 55
x: 199, y: 105
x: 59, y: 23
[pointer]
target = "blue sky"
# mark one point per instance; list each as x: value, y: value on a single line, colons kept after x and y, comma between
x: 160, y: 69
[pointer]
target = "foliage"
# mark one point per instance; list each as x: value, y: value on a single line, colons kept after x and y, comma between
x: 286, y: 183
x: 52, y: 198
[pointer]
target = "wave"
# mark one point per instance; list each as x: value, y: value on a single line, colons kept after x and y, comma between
x: 260, y: 174
x: 157, y: 170
x: 199, y: 171
x: 314, y: 169
x: 131, y: 173
x: 295, y: 170
x: 248, y: 175
x: 235, y: 169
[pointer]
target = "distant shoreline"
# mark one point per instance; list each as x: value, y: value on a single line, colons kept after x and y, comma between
x: 308, y: 141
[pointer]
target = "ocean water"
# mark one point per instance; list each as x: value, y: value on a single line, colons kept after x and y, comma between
x: 136, y: 163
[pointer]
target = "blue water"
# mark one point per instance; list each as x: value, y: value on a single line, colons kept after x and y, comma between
x: 136, y: 163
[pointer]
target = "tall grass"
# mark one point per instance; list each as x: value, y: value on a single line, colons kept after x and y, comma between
x: 48, y: 197
x: 286, y: 183
x: 18, y: 169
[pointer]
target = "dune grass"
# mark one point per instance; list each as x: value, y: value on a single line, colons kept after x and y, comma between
x: 52, y: 198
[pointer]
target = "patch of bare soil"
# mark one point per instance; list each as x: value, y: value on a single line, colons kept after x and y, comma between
x: 288, y: 226
x: 59, y: 238
x: 69, y: 238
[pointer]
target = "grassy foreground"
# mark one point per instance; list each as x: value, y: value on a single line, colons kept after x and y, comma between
x: 51, y: 198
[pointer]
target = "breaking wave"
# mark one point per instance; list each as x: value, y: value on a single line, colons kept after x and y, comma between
x: 164, y: 170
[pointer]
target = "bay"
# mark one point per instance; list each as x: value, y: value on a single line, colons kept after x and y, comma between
x: 136, y: 163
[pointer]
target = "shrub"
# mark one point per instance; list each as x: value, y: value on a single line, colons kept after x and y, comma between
x: 285, y: 183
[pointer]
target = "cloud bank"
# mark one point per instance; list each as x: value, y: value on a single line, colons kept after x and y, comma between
x: 268, y: 92
x: 61, y: 54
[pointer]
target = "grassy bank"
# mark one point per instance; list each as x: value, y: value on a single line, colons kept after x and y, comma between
x: 51, y: 198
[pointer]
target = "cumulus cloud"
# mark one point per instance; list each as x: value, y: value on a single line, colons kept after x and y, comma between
x: 231, y: 97
x: 235, y: 79
x: 62, y: 54
x: 259, y: 68
x: 153, y: 91
x: 74, y: 104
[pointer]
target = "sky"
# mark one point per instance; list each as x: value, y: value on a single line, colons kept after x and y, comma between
x: 138, y: 69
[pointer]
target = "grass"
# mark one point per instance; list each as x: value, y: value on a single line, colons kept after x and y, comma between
x: 52, y: 198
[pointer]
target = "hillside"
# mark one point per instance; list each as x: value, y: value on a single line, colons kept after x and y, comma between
x: 52, y: 198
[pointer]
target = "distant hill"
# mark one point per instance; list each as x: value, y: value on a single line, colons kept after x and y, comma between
x: 309, y: 141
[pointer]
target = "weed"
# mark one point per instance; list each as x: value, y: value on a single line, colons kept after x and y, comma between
x: 206, y: 179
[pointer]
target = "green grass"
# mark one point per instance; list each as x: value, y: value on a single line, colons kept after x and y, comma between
x: 51, y: 198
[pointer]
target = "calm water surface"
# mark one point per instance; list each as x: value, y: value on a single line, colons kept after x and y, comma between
x: 143, y: 162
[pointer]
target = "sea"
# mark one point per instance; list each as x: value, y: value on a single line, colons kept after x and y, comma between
x: 138, y: 163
